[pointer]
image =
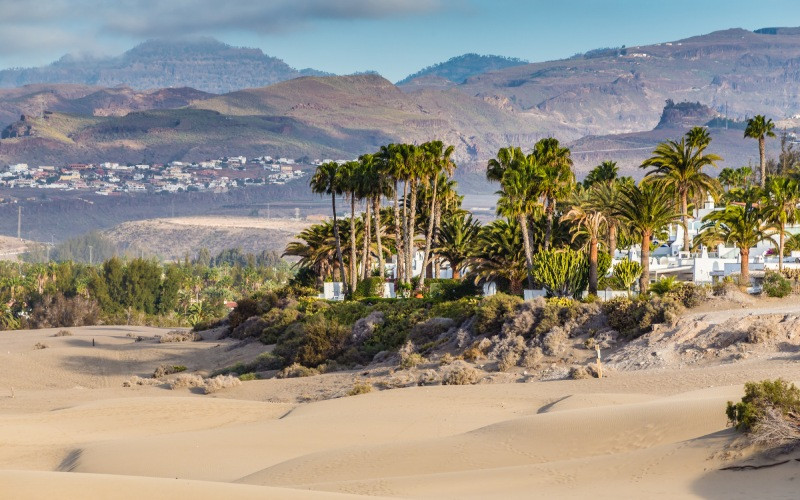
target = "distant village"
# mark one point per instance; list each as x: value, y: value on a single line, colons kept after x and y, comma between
x: 110, y: 178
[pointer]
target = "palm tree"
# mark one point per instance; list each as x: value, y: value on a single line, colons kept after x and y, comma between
x: 439, y: 161
x: 518, y: 200
x: 392, y: 165
x: 727, y: 178
x: 349, y: 178
x: 377, y: 183
x: 698, y: 137
x: 505, y: 158
x: 499, y: 253
x: 759, y: 127
x: 326, y: 181
x: 782, y: 198
x: 679, y: 164
x: 604, y: 173
x: 646, y: 208
x: 742, y: 225
x: 456, y: 239
x: 556, y: 178
x: 606, y: 200
x: 590, y: 221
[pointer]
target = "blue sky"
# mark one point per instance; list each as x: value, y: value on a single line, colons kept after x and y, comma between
x: 393, y: 37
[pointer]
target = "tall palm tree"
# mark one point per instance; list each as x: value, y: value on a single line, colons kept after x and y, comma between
x: 679, y: 164
x: 589, y: 220
x: 326, y: 181
x: 392, y: 165
x: 349, y: 178
x: 604, y: 173
x: 518, y: 200
x: 505, y: 158
x: 743, y: 225
x: 606, y: 200
x: 698, y: 137
x: 439, y: 161
x: 760, y: 127
x: 377, y: 183
x: 646, y: 209
x: 556, y: 178
x: 456, y: 239
x: 780, y: 208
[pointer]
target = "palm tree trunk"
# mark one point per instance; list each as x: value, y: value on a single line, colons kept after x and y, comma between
x: 398, y: 239
x: 437, y: 222
x: 685, y: 219
x: 644, y: 279
x: 366, y: 258
x: 744, y: 266
x: 526, y: 243
x: 412, y: 229
x: 762, y: 157
x: 429, y: 233
x: 407, y: 272
x: 612, y: 239
x: 549, y: 231
x: 353, y: 257
x: 338, y: 242
x: 781, y: 245
x: 376, y: 211
x: 593, y: 267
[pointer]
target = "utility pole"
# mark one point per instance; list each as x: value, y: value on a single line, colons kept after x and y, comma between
x: 19, y: 223
x: 90, y: 255
x: 268, y: 211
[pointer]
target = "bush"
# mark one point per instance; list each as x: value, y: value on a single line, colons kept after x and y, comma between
x: 451, y: 289
x: 40, y: 345
x: 760, y: 332
x: 370, y: 287
x: 220, y: 382
x: 360, y: 388
x: 632, y: 318
x: 458, y: 310
x: 54, y: 311
x: 429, y: 330
x: 297, y: 370
x: 689, y: 294
x: 248, y: 376
x: 491, y: 313
x: 775, y: 285
x: 275, y: 322
x: 563, y: 273
x: 461, y: 374
x: 313, y: 341
x: 137, y: 380
x: 164, y: 370
x: 508, y: 361
x: 187, y: 380
x: 410, y: 360
x: 759, y: 397
x: 179, y: 336
x: 63, y: 333
x: 665, y: 285
x: 253, y: 306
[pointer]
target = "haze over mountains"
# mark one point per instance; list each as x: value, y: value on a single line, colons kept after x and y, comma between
x: 606, y: 102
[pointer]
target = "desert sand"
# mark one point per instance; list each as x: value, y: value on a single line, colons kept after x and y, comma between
x: 69, y: 429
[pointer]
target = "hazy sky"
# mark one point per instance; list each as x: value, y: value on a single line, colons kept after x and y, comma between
x: 393, y: 37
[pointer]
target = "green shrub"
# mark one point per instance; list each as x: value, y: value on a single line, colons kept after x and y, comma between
x: 360, y: 388
x: 632, y: 318
x: 492, y: 312
x: 263, y: 362
x: 312, y: 341
x: 248, y: 376
x: 457, y: 310
x: 410, y: 360
x: 451, y: 289
x: 760, y: 397
x: 775, y: 285
x: 256, y: 305
x: 277, y: 320
x: 370, y: 287
x: 627, y: 272
x: 562, y: 273
x: 689, y: 294
x: 665, y: 285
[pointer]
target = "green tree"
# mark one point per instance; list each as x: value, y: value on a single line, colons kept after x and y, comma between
x: 679, y: 165
x: 627, y: 272
x: 781, y: 199
x: 646, y: 209
x: 605, y: 173
x: 499, y: 254
x: 456, y: 240
x: 326, y: 181
x: 589, y: 220
x: 438, y: 157
x: 759, y: 127
x: 555, y: 178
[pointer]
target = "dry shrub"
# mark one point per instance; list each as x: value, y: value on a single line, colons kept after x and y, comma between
x: 776, y: 429
x: 579, y: 372
x: 221, y: 382
x: 137, y: 380
x: 63, y: 333
x: 554, y: 342
x: 760, y: 332
x: 187, y: 380
x: 508, y: 361
x: 360, y: 388
x: 446, y: 359
x: 55, y: 311
x: 429, y: 330
x: 179, y: 336
x: 532, y: 357
x: 411, y: 360
x: 164, y: 370
x: 297, y: 370
x: 428, y: 377
x: 40, y: 345
x: 461, y: 374
x: 365, y: 327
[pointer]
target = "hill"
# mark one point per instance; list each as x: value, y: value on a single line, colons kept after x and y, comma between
x: 458, y: 69
x: 202, y: 63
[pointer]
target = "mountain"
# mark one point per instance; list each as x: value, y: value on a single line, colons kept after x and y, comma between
x: 458, y: 69
x: 204, y: 63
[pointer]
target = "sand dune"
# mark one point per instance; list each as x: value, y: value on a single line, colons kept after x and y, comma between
x: 72, y: 428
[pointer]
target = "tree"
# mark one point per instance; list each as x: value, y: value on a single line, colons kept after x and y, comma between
x: 519, y: 200
x: 438, y: 161
x: 605, y: 173
x: 350, y: 180
x: 646, y: 208
x: 562, y: 273
x: 759, y: 127
x: 588, y: 219
x: 627, y: 272
x: 456, y: 239
x: 605, y: 199
x: 392, y: 165
x: 679, y: 165
x: 555, y: 178
x: 499, y: 254
x: 326, y: 181
x: 506, y: 157
x: 377, y: 183
x: 780, y: 208
x: 743, y: 225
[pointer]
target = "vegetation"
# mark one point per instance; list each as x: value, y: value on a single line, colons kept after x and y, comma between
x: 769, y: 412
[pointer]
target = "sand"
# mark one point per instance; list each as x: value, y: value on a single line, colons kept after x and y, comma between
x: 71, y: 430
